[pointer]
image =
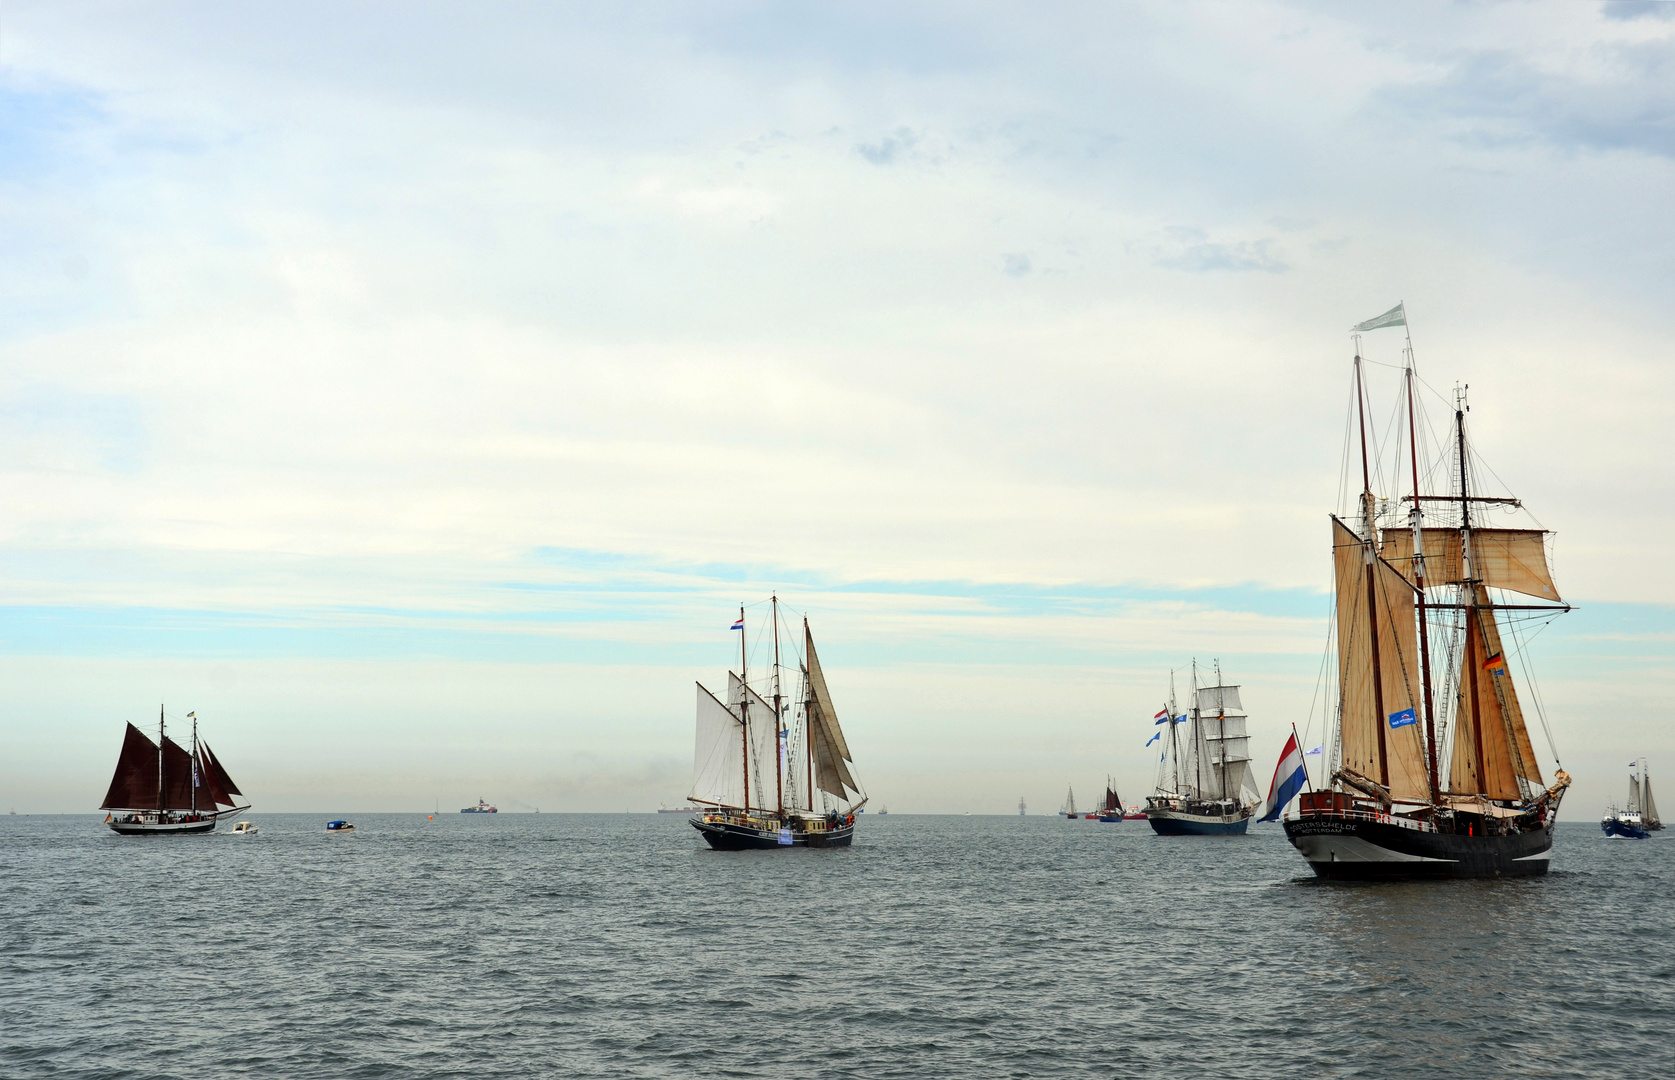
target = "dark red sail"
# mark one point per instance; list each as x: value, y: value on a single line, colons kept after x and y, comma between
x: 220, y: 774
x: 211, y: 782
x: 134, y: 787
x: 177, y: 781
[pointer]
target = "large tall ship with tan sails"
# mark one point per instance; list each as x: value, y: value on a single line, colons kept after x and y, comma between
x: 1433, y: 773
x: 772, y: 770
x: 160, y: 788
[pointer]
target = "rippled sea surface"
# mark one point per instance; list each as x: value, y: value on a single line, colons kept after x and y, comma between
x: 619, y: 946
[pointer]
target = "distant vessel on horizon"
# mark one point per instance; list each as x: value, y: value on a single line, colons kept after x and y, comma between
x: 1204, y: 785
x: 1640, y: 819
x: 160, y: 789
x: 1111, y: 808
x: 801, y: 737
x: 482, y: 807
x: 1069, y: 808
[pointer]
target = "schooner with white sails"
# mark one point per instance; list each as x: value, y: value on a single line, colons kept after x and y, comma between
x: 772, y: 770
x: 1433, y: 770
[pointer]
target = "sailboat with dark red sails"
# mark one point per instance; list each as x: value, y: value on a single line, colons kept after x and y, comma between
x: 161, y: 789
x: 772, y: 770
x: 1431, y: 779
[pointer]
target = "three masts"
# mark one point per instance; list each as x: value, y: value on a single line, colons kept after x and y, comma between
x: 1204, y: 784
x: 810, y: 759
x: 1413, y: 794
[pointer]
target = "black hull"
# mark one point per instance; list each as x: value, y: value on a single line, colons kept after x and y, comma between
x: 1356, y: 849
x: 728, y: 836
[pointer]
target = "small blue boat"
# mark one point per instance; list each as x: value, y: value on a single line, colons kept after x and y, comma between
x: 339, y: 826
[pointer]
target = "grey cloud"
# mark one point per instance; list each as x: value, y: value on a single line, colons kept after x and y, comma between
x: 1501, y: 99
x: 1014, y: 264
x: 1194, y: 253
x: 889, y: 148
x: 1625, y: 10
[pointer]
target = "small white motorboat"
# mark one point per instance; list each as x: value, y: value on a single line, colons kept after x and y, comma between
x: 245, y: 828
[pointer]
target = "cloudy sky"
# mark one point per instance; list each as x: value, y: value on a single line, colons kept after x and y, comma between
x: 415, y: 391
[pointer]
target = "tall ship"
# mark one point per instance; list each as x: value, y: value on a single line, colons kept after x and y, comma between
x: 1069, y: 808
x: 772, y: 770
x: 160, y: 788
x: 1430, y: 776
x: 1204, y: 784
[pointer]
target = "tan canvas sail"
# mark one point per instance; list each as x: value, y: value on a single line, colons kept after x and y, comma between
x: 1514, y: 559
x: 826, y: 737
x: 1399, y: 665
x: 1507, y: 753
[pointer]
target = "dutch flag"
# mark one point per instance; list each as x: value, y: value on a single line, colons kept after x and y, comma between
x: 1289, y: 778
x: 1163, y: 714
x: 738, y: 624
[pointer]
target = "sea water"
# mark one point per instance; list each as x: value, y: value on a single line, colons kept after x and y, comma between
x: 620, y: 946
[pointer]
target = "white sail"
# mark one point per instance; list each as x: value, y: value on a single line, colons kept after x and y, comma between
x: 1648, y: 808
x: 762, y: 744
x: 717, y: 754
x: 1215, y: 699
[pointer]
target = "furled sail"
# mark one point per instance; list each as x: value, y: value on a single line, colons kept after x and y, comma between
x: 1514, y: 559
x: 134, y: 785
x: 1507, y: 753
x: 831, y: 752
x: 718, y: 754
x: 1398, y: 658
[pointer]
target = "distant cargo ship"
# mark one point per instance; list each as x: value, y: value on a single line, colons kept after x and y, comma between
x: 481, y: 808
x: 661, y: 809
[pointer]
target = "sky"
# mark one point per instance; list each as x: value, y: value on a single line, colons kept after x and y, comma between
x: 415, y: 391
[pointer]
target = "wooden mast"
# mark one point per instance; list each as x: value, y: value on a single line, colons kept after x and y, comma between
x: 1370, y: 558
x: 744, y: 708
x: 1470, y: 576
x: 1221, y: 725
x: 195, y: 765
x: 1418, y: 518
x: 161, y: 735
x: 808, y: 717
x: 779, y: 780
x: 1197, y: 736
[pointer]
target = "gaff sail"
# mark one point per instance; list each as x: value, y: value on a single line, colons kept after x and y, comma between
x: 831, y: 751
x: 134, y: 785
x: 1505, y: 746
x: 1398, y: 666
